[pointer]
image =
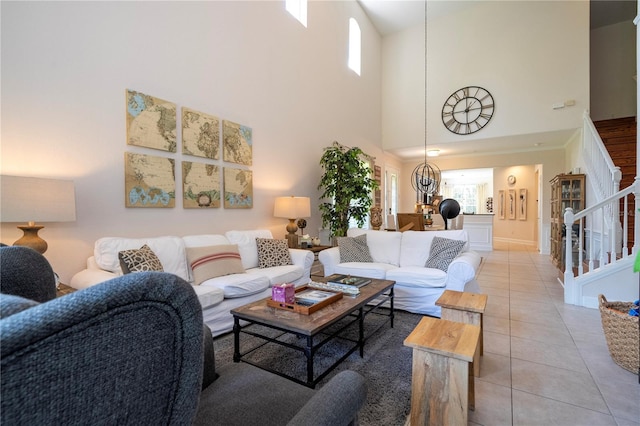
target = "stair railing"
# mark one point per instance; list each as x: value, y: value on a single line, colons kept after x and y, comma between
x: 604, y: 176
x: 595, y: 221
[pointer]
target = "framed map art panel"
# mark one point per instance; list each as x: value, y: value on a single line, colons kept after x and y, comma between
x: 151, y: 122
x: 237, y: 143
x: 200, y: 185
x: 200, y: 134
x: 149, y: 181
x: 238, y: 188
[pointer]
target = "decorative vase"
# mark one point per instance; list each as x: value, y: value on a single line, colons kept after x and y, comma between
x: 376, y: 218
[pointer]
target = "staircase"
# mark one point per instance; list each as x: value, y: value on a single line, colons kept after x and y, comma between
x: 604, y: 248
x: 619, y: 138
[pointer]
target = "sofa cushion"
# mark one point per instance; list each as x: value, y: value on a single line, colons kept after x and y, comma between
x: 279, y: 274
x: 208, y: 296
x: 354, y: 249
x: 204, y: 240
x: 415, y: 245
x: 246, y: 241
x: 418, y: 276
x: 442, y: 252
x: 239, y: 285
x: 139, y: 260
x: 272, y: 252
x: 170, y: 250
x: 214, y: 261
x: 384, y: 246
x: 365, y: 269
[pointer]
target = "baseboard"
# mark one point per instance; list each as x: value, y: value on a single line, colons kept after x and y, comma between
x: 514, y: 241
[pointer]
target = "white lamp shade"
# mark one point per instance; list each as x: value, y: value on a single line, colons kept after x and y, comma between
x: 29, y: 199
x: 292, y: 207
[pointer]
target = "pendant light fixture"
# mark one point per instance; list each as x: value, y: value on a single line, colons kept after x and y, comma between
x: 425, y: 178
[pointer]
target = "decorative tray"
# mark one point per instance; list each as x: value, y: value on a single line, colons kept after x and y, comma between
x: 315, y: 299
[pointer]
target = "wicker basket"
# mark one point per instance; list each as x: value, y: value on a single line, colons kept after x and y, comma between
x: 622, y: 333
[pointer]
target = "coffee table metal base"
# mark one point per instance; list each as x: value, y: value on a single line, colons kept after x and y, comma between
x: 311, y: 345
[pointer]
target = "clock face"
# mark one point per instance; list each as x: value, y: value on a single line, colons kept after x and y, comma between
x: 468, y: 110
x: 511, y: 179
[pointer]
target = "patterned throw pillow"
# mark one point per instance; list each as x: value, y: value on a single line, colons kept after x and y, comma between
x: 214, y: 261
x: 273, y: 253
x: 442, y: 252
x: 139, y: 260
x: 354, y: 249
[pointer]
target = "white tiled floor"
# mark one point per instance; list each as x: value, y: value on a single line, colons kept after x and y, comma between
x: 545, y: 362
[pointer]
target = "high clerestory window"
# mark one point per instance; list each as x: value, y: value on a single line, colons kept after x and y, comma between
x: 355, y: 46
x: 298, y: 8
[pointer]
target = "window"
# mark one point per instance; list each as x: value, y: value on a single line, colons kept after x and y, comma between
x: 355, y: 46
x: 471, y: 196
x: 391, y: 194
x: 297, y: 8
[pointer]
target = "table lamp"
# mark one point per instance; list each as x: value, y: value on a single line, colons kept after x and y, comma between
x: 292, y: 208
x: 30, y: 200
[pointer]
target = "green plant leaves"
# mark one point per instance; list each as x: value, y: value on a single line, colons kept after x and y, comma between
x: 348, y: 183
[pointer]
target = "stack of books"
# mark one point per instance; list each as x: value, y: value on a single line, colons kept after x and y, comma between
x: 347, y: 281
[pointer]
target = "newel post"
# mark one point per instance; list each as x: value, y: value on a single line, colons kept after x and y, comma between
x: 570, y: 290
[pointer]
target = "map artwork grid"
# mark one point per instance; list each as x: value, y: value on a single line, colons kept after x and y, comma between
x: 150, y: 181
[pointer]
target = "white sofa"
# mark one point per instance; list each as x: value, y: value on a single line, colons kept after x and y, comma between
x: 217, y: 295
x: 401, y: 256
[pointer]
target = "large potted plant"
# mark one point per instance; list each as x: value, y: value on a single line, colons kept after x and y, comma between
x: 346, y: 186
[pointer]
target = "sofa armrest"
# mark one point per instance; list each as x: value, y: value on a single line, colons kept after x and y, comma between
x: 301, y: 257
x: 336, y: 403
x: 90, y: 277
x: 329, y: 258
x: 462, y: 270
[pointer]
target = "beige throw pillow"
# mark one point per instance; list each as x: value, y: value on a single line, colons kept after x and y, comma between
x: 214, y: 261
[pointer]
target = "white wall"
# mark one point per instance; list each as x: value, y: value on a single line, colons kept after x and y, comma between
x: 613, y: 66
x: 66, y: 65
x: 528, y: 54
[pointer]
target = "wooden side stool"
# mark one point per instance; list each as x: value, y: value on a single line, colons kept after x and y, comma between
x: 467, y: 308
x: 442, y: 383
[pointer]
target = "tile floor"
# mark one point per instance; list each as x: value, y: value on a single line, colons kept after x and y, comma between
x: 545, y: 362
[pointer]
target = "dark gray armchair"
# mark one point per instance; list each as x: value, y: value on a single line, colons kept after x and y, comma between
x: 131, y: 351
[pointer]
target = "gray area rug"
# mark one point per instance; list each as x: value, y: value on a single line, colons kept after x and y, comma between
x: 386, y: 364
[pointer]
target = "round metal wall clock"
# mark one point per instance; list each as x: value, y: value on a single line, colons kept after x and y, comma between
x: 468, y: 110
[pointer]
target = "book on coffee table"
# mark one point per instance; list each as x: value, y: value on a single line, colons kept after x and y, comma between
x: 348, y: 280
x: 311, y: 297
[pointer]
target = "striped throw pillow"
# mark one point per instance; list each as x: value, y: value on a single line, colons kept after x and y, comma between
x: 214, y: 261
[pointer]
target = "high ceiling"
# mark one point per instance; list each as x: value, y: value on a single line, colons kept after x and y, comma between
x: 390, y: 16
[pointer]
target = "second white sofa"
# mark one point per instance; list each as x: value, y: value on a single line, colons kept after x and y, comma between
x: 401, y: 256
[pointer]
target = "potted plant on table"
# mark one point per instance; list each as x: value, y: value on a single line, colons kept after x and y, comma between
x: 346, y: 186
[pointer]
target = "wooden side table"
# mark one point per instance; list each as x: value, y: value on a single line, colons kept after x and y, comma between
x: 442, y: 387
x: 64, y: 289
x: 316, y: 268
x: 467, y: 308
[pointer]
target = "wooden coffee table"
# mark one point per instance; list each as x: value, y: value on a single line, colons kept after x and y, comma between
x: 313, y: 327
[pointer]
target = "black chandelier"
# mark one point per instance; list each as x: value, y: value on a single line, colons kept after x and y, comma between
x: 425, y: 178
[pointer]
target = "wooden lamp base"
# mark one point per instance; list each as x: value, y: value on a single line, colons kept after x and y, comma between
x: 31, y: 238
